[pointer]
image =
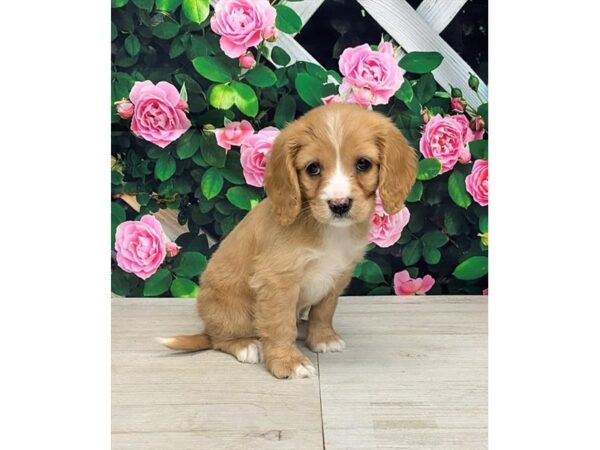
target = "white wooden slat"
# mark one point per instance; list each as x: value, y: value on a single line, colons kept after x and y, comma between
x: 411, y: 31
x: 439, y: 13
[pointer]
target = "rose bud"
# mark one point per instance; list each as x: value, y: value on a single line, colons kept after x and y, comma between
x: 208, y: 128
x: 426, y: 115
x: 124, y: 109
x: 183, y: 105
x: 473, y: 82
x: 247, y: 60
x: 269, y: 34
x: 457, y: 104
x: 477, y: 123
x: 456, y: 92
x: 172, y: 249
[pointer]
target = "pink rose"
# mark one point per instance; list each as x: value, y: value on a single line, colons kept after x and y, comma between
x: 140, y: 246
x: 253, y: 155
x: 477, y: 182
x: 463, y: 122
x: 172, y: 249
x: 158, y: 116
x: 405, y: 285
x: 247, y: 61
x: 124, y: 109
x: 370, y: 77
x: 241, y: 24
x: 386, y: 229
x: 485, y: 291
x: 234, y: 133
x: 332, y: 99
x: 443, y: 139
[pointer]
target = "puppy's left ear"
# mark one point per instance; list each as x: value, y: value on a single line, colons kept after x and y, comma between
x: 397, y: 170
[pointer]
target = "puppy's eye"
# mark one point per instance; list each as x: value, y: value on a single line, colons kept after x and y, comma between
x: 313, y: 169
x: 362, y: 165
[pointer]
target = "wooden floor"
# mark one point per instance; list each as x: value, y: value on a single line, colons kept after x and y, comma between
x: 413, y: 376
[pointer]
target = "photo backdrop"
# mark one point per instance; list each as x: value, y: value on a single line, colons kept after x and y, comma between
x: 199, y: 91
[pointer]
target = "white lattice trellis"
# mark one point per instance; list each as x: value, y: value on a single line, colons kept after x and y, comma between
x: 413, y: 30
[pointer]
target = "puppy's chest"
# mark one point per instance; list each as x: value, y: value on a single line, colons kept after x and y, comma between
x: 336, y: 255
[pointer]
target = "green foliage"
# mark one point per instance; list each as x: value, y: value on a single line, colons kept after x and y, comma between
x: 287, y: 20
x: 170, y: 40
x: 421, y: 62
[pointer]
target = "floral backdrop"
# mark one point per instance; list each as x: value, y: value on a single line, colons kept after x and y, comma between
x: 198, y: 98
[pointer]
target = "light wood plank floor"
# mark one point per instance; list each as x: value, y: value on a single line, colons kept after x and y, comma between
x: 413, y: 376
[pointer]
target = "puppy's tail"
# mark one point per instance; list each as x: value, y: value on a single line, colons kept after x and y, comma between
x: 188, y: 343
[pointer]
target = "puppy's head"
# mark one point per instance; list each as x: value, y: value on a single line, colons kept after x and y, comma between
x: 331, y: 161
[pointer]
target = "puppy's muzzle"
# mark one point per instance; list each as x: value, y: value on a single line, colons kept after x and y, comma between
x: 340, y: 206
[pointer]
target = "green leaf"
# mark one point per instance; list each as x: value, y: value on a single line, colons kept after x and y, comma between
x: 211, y: 153
x: 188, y: 144
x: 434, y: 239
x: 310, y: 89
x: 241, y: 197
x: 212, y: 183
x: 287, y: 20
x: 411, y: 252
x: 132, y: 45
x: 261, y: 76
x: 146, y: 5
x: 182, y: 287
x: 285, y: 111
x: 429, y: 168
x: 120, y: 282
x: 245, y: 99
x: 425, y: 89
x: 380, y: 290
x: 232, y: 171
x: 479, y: 149
x: 457, y: 190
x: 421, y: 62
x: 454, y: 221
x: 196, y: 10
x: 117, y: 216
x: 113, y: 31
x: 416, y: 192
x: 213, y: 69
x: 280, y: 56
x: 157, y: 283
x: 165, y: 167
x: 189, y: 264
x: 405, y: 93
x: 118, y: 3
x: 431, y: 255
x: 166, y: 30
x: 116, y: 178
x: 177, y: 47
x: 167, y: 5
x: 222, y: 96
x: 472, y: 268
x: 483, y: 112
x: 370, y: 272
x: 143, y: 198
x: 483, y: 224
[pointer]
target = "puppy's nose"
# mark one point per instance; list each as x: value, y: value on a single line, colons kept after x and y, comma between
x: 340, y: 206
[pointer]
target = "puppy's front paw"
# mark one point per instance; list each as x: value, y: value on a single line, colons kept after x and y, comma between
x: 293, y: 366
x: 251, y: 354
x: 323, y: 343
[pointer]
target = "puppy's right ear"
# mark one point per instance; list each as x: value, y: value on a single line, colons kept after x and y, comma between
x: 281, y: 178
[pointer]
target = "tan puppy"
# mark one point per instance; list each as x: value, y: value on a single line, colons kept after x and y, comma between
x: 299, y: 246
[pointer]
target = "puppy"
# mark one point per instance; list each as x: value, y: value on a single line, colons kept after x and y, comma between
x: 298, y: 247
